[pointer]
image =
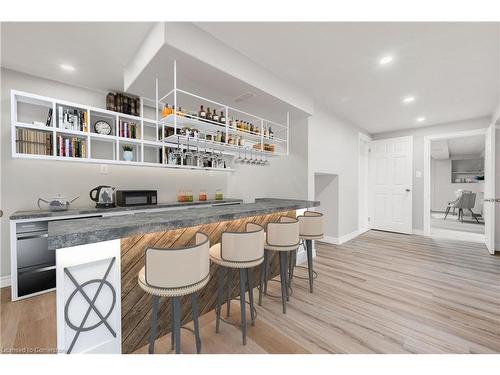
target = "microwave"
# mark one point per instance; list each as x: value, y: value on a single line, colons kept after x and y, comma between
x: 126, y: 198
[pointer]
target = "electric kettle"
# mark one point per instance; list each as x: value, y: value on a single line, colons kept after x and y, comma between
x: 104, y: 196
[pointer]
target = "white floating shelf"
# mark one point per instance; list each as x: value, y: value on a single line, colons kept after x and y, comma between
x: 92, y: 114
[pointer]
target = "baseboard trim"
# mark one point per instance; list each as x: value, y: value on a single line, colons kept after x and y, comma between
x: 341, y: 240
x: 418, y: 232
x: 4, y: 281
x: 497, y: 247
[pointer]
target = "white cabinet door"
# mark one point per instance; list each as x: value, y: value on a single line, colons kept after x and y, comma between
x: 489, y: 189
x: 391, y: 170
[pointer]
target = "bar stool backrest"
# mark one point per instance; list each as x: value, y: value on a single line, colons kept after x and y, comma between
x: 243, y: 246
x: 283, y: 233
x: 178, y: 267
x: 311, y: 224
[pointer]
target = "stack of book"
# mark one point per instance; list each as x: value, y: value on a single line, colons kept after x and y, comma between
x: 123, y: 103
x: 33, y: 142
x: 127, y: 129
x: 72, y: 119
x: 71, y: 147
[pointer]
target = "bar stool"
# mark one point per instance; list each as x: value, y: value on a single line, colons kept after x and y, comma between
x: 283, y: 237
x: 176, y: 272
x: 311, y: 228
x: 242, y: 251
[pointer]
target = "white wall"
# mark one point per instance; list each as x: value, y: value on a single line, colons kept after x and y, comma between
x: 333, y: 149
x: 443, y: 191
x: 326, y: 190
x: 418, y: 156
x: 23, y: 180
x: 497, y: 186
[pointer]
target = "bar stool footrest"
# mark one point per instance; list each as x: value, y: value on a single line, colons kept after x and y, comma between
x: 249, y: 323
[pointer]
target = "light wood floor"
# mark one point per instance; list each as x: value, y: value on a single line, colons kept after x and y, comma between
x: 379, y: 293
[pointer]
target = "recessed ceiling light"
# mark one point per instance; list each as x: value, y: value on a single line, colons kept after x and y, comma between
x: 67, y: 67
x: 421, y: 119
x: 386, y: 60
x: 408, y: 99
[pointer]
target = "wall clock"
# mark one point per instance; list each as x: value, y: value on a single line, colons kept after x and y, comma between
x: 102, y: 127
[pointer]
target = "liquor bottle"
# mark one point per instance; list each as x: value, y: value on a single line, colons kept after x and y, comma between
x: 202, y: 113
x: 215, y: 117
x: 222, y: 118
x: 271, y: 133
x: 179, y: 112
x: 166, y: 111
x: 223, y: 137
x: 208, y: 116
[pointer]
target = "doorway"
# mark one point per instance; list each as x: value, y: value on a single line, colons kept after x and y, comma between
x: 454, y: 175
x: 457, y: 188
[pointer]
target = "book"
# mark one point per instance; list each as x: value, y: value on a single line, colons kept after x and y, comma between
x: 49, y: 117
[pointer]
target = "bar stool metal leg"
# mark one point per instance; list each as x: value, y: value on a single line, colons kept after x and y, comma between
x: 172, y: 328
x: 266, y: 269
x: 220, y: 292
x: 250, y: 294
x: 242, y: 306
x: 283, y: 276
x: 261, y: 284
x: 310, y: 263
x: 176, y: 307
x: 194, y: 308
x: 154, y: 319
x: 229, y: 291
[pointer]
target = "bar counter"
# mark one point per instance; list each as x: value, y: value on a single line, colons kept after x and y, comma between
x: 97, y: 261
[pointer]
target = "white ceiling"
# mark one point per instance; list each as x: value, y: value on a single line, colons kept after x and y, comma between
x: 465, y: 146
x: 451, y: 68
x: 97, y: 50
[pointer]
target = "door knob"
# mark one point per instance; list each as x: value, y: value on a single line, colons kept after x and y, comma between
x: 407, y: 190
x: 1, y: 213
x: 492, y: 200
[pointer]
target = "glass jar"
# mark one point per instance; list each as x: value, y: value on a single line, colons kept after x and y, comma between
x: 189, y: 196
x: 218, y: 195
x: 202, y: 196
x: 181, y: 196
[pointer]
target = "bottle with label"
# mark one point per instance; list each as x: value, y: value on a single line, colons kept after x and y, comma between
x: 202, y: 113
x: 271, y: 134
x: 215, y: 117
x: 166, y: 111
x: 222, y: 118
x: 208, y: 116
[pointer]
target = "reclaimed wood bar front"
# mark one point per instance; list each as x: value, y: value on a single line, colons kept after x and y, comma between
x: 126, y: 241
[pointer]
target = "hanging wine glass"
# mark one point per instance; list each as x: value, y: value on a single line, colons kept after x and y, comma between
x: 178, y: 155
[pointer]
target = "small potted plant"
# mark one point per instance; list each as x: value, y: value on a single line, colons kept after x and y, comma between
x: 128, y: 155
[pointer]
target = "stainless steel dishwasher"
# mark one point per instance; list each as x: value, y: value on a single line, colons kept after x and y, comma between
x: 35, y: 262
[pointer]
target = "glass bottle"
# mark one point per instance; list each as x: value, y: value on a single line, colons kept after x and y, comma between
x: 271, y: 134
x: 202, y: 113
x: 222, y: 118
x: 166, y: 111
x: 215, y: 117
x: 208, y: 116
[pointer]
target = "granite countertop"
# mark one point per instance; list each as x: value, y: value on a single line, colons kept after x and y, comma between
x: 68, y: 233
x: 35, y: 214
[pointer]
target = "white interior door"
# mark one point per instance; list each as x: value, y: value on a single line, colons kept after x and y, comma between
x: 489, y: 188
x: 392, y: 182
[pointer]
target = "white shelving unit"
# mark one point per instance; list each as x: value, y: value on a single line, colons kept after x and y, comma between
x: 151, y: 140
x: 189, y: 119
x: 37, y: 107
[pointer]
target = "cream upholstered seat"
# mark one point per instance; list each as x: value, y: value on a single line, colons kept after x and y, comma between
x: 242, y: 251
x: 170, y: 292
x: 283, y: 237
x: 311, y: 225
x: 311, y: 228
x: 176, y: 272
